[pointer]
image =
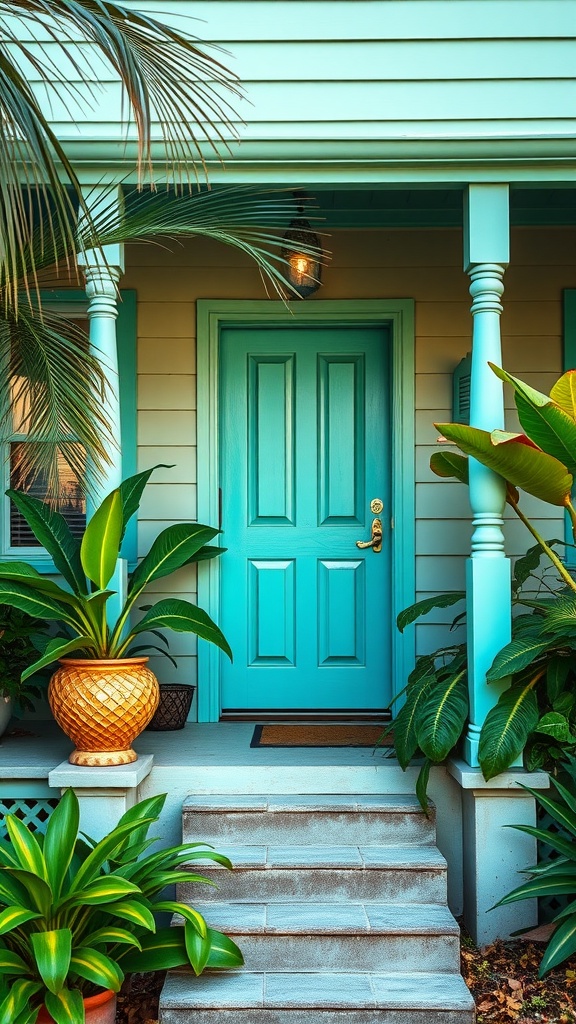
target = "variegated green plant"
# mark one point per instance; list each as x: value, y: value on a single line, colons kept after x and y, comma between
x: 88, y: 567
x: 77, y: 916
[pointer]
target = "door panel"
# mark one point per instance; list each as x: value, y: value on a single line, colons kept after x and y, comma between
x: 304, y: 449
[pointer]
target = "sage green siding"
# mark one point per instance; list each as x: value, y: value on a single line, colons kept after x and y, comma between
x: 341, y: 77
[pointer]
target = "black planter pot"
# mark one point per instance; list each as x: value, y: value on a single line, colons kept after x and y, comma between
x: 172, y: 711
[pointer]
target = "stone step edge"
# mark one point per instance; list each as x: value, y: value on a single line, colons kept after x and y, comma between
x: 323, y: 804
x: 259, y: 862
x: 252, y: 990
x: 216, y: 915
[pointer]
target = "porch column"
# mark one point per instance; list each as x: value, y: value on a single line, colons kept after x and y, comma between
x: 103, y: 268
x: 488, y: 587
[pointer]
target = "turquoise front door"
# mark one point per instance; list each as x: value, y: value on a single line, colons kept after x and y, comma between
x: 304, y: 451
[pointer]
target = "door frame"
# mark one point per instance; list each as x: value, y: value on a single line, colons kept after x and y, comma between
x: 398, y: 315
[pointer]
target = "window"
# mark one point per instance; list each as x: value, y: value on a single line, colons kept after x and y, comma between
x: 18, y: 541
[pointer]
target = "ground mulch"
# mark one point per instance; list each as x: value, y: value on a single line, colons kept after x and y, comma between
x: 503, y: 979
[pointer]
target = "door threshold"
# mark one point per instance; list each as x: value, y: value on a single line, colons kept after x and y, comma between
x: 349, y: 716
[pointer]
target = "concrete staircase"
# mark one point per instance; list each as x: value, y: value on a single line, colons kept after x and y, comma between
x: 339, y: 906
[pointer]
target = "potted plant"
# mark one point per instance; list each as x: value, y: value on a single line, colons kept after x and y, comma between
x: 20, y: 638
x: 77, y: 916
x: 104, y: 698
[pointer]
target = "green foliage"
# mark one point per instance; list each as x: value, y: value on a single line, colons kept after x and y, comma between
x: 21, y: 636
x: 88, y: 567
x: 555, y: 877
x: 76, y: 916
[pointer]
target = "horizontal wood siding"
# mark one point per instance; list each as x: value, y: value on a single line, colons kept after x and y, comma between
x: 425, y: 265
x: 390, y: 69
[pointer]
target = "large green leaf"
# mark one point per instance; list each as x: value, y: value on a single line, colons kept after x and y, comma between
x: 52, y: 953
x: 57, y: 648
x: 188, y: 913
x: 171, y: 549
x: 450, y: 465
x: 562, y: 945
x: 104, y: 890
x: 545, y: 422
x: 422, y: 785
x: 183, y: 617
x: 66, y: 1006
x: 415, y: 611
x: 565, y: 847
x: 52, y: 531
x: 506, y: 729
x: 197, y: 947
x: 515, y: 656
x: 111, y: 934
x: 134, y: 912
x: 91, y: 867
x: 223, y: 951
x: 95, y: 966
x: 60, y: 839
x: 26, y: 847
x: 160, y: 952
x: 39, y: 605
x: 12, y: 917
x: 22, y: 572
x: 509, y: 455
x: 560, y: 617
x: 442, y: 716
x: 12, y: 963
x: 556, y: 885
x: 101, y: 541
x: 131, y: 491
x: 557, y: 726
x: 556, y: 676
x: 405, y: 738
x: 564, y: 393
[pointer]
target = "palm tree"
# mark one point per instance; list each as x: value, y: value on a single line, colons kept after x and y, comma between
x: 47, y: 379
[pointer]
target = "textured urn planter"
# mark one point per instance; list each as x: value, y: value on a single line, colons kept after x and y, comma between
x: 102, y: 706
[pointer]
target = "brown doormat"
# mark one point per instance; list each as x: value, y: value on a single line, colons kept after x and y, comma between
x: 320, y: 736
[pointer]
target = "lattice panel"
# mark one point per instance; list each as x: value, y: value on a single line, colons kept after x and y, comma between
x: 549, y: 906
x: 33, y: 811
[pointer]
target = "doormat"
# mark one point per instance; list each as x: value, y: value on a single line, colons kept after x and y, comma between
x: 296, y: 735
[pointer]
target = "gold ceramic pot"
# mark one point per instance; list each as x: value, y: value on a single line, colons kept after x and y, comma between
x: 103, y: 706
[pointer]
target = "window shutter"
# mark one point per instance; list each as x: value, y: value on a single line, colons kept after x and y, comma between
x: 461, y: 390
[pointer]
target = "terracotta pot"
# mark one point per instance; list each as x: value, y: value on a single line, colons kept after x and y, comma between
x: 103, y: 706
x: 99, y: 1009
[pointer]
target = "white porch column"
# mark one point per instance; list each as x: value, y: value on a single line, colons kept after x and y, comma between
x: 488, y: 588
x: 103, y: 268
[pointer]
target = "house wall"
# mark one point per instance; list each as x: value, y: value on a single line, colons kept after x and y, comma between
x: 395, y: 70
x: 425, y: 265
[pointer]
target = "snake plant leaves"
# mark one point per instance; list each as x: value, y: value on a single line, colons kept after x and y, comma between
x: 52, y: 953
x: 565, y: 847
x: 515, y: 656
x: 95, y: 966
x: 514, y: 458
x: 442, y: 716
x: 52, y: 531
x: 415, y: 611
x: 197, y: 947
x: 171, y: 549
x: 60, y: 840
x: 506, y: 729
x: 65, y: 1006
x: 562, y: 945
x: 545, y: 422
x: 224, y: 953
x: 564, y: 393
x: 16, y: 1001
x: 183, y: 617
x: 101, y: 541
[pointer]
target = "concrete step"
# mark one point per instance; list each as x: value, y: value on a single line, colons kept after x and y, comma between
x: 332, y: 874
x: 298, y: 820
x: 331, y: 937
x: 316, y: 998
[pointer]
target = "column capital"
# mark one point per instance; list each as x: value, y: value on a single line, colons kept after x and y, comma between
x: 486, y: 224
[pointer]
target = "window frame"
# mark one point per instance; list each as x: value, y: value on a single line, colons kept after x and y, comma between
x: 126, y: 334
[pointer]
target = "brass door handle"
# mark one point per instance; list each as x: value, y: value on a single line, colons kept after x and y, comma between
x: 376, y: 542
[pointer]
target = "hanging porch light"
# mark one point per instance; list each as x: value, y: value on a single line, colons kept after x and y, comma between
x: 303, y: 253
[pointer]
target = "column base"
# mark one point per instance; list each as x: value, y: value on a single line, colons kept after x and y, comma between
x: 104, y: 794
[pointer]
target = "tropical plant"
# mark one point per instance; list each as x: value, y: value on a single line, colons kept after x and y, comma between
x: 170, y: 80
x: 77, y: 916
x: 556, y: 876
x: 536, y: 715
x: 21, y: 637
x: 87, y: 567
